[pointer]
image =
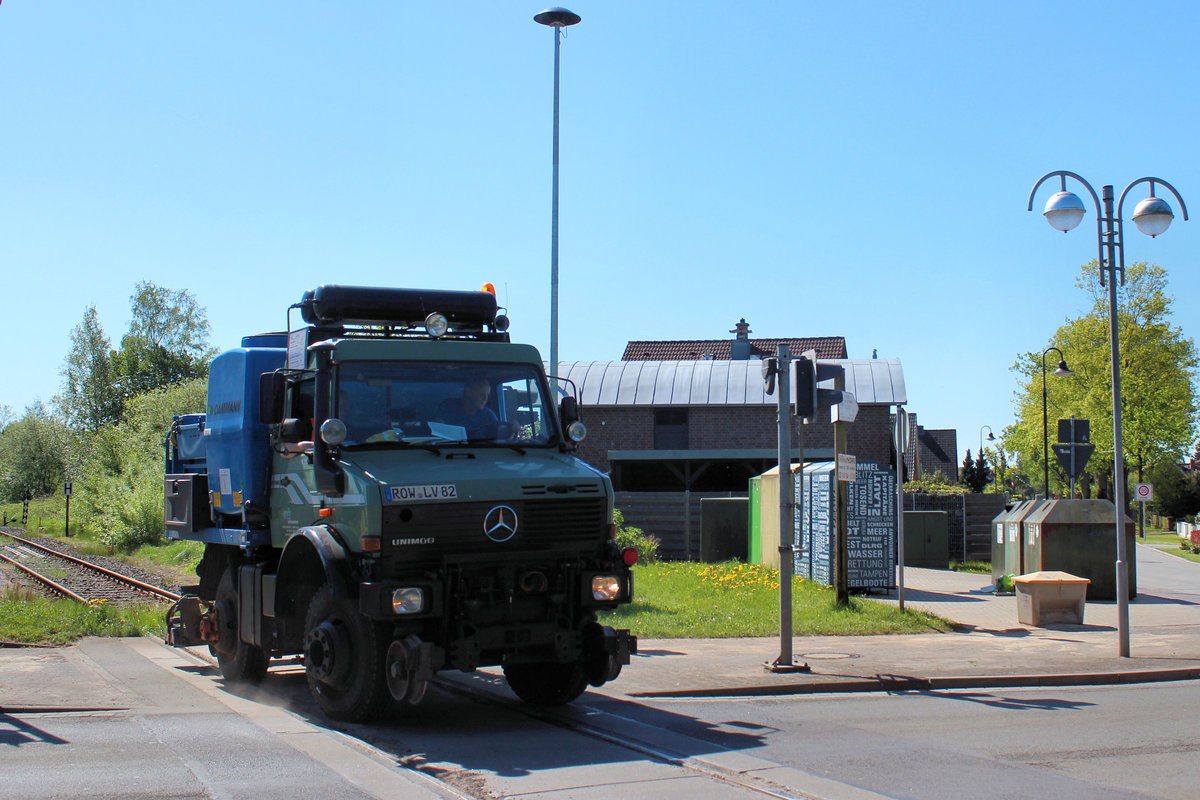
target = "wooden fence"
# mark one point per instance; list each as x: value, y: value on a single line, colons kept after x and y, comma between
x: 671, y: 517
x: 674, y: 519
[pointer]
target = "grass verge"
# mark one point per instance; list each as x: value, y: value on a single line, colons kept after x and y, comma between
x: 1173, y: 541
x: 29, y: 618
x: 684, y: 600
x: 672, y: 600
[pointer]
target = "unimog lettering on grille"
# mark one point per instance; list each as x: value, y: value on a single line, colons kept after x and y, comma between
x: 361, y: 484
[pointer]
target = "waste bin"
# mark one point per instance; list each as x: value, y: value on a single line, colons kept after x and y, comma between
x: 998, y: 562
x: 927, y: 539
x: 1011, y: 560
x: 1079, y: 537
x: 724, y: 528
x: 1047, y: 598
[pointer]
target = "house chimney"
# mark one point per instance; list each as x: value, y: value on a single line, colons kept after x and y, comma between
x: 739, y: 348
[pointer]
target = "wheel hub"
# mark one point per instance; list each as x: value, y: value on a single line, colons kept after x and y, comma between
x: 327, y: 652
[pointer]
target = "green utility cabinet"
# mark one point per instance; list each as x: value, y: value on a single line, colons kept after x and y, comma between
x: 754, y: 554
x: 724, y: 529
x: 927, y: 539
x: 1079, y: 537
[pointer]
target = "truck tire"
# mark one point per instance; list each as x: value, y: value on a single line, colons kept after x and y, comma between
x: 344, y: 659
x: 546, y: 683
x: 239, y: 662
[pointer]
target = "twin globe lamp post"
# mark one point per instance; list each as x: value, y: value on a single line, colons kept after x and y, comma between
x: 1152, y: 216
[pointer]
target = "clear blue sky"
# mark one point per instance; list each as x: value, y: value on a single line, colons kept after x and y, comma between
x: 819, y: 169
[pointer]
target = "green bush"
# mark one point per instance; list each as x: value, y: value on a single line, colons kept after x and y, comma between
x: 628, y: 536
x: 935, y: 483
x: 123, y: 484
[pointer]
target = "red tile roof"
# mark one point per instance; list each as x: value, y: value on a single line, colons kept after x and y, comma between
x: 718, y: 349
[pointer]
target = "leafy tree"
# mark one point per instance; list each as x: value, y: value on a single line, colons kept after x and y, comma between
x: 167, y: 342
x: 999, y: 469
x: 88, y: 401
x: 1158, y: 371
x: 32, y: 460
x: 169, y: 319
x: 1176, y: 493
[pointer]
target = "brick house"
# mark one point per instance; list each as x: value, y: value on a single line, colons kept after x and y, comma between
x: 694, y: 415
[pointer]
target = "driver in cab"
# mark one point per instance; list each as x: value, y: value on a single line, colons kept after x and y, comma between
x: 470, y: 411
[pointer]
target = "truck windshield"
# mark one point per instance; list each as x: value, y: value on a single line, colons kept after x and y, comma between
x: 436, y: 403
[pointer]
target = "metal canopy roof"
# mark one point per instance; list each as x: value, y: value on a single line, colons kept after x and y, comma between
x: 874, y: 382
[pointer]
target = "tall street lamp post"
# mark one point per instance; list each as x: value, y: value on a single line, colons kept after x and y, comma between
x: 557, y: 18
x: 991, y: 437
x: 1062, y: 371
x: 1152, y: 216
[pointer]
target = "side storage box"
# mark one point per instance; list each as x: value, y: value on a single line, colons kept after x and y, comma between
x: 186, y: 509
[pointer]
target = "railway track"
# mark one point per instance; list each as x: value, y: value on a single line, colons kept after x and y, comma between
x: 73, y: 577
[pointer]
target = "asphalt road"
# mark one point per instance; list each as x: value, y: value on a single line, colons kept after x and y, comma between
x: 1134, y: 741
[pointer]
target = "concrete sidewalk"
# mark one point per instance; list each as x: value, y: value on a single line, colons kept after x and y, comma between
x: 992, y: 650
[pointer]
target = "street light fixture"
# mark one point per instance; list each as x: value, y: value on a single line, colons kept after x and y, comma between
x: 1152, y: 217
x: 557, y: 18
x: 990, y: 436
x: 1062, y: 371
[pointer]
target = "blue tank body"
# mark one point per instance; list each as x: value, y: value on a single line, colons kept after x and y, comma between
x: 237, y: 445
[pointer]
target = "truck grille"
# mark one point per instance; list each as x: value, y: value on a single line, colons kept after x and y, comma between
x: 422, y: 532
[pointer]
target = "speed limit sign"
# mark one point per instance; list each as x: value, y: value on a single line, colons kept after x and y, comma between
x: 1144, y: 492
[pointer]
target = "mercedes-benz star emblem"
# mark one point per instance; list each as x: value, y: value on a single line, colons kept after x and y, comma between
x: 500, y: 524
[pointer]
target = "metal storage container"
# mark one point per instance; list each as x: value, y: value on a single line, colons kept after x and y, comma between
x: 1079, y: 537
x: 1012, y: 560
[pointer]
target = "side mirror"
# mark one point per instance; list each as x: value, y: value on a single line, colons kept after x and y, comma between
x: 271, y: 386
x: 294, y: 431
x: 568, y: 414
x: 568, y: 410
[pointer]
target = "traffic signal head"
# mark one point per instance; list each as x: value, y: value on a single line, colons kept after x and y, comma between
x: 805, y: 403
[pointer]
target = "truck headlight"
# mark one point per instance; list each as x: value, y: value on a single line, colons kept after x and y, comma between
x: 606, y: 588
x: 409, y: 600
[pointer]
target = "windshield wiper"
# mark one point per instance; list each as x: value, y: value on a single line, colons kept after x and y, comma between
x: 401, y: 444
